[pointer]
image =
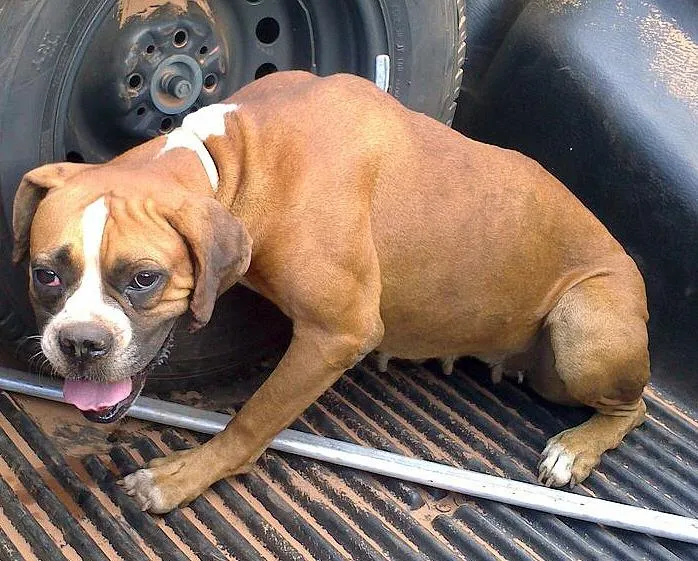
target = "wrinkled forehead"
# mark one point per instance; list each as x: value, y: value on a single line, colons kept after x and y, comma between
x: 67, y: 224
x: 135, y: 231
x: 110, y: 230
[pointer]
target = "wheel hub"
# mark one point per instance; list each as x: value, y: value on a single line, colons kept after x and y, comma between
x: 176, y: 84
x: 169, y: 58
x: 131, y: 80
x: 142, y: 79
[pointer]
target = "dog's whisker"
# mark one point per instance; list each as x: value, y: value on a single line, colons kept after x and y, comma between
x: 34, y: 360
x: 27, y: 344
x: 46, y: 365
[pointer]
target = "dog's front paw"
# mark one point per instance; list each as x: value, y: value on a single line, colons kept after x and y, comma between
x: 167, y: 483
x: 565, y: 461
x: 145, y: 491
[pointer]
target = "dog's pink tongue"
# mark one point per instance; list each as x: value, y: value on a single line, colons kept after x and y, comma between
x: 92, y: 396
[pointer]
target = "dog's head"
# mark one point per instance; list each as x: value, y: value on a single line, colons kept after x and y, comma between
x: 116, y: 255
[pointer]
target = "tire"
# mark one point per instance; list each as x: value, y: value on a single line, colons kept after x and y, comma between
x: 46, y: 44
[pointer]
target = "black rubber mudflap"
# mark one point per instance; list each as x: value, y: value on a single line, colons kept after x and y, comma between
x: 66, y: 505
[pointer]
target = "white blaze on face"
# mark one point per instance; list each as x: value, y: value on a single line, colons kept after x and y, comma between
x: 87, y: 303
x: 196, y: 128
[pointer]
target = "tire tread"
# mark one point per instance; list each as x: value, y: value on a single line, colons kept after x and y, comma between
x: 459, y: 62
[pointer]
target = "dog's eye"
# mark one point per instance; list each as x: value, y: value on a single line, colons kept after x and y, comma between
x: 46, y: 277
x: 144, y: 280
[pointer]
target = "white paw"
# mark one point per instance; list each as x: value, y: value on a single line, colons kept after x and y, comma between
x: 555, y: 467
x: 141, y: 486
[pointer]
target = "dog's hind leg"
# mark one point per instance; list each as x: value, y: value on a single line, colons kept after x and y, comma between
x: 598, y: 338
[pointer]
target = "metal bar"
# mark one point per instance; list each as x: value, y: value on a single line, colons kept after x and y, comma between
x: 394, y: 465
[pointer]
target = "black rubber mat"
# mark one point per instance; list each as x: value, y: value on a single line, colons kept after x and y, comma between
x: 58, y: 505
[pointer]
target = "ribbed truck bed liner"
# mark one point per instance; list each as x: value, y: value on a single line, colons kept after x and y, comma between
x: 59, y: 499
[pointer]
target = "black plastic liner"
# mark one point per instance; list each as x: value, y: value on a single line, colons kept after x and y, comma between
x: 605, y: 96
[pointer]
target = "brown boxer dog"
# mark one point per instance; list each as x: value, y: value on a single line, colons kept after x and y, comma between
x: 370, y: 226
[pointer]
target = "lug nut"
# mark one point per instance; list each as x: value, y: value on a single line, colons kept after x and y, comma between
x: 176, y: 86
x: 182, y: 88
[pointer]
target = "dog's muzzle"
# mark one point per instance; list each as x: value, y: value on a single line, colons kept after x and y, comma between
x: 106, y: 402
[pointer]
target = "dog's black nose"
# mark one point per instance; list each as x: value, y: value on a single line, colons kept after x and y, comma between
x: 84, y: 341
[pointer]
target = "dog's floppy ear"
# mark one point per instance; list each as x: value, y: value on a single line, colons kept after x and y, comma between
x: 220, y: 246
x: 30, y: 192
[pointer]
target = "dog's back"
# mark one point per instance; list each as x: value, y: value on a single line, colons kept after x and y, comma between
x: 475, y: 243
x: 466, y: 234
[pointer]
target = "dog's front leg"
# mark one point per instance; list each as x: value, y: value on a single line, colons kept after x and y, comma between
x: 313, y: 362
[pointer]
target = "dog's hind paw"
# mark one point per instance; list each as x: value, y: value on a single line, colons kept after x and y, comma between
x: 560, y: 465
x: 555, y: 468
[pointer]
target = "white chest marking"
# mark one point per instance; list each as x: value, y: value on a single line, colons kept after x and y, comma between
x: 182, y: 138
x: 209, y: 120
x: 196, y: 128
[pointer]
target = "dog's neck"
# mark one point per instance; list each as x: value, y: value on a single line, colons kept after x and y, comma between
x: 182, y: 137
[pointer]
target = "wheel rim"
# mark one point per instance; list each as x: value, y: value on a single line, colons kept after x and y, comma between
x: 127, y: 81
